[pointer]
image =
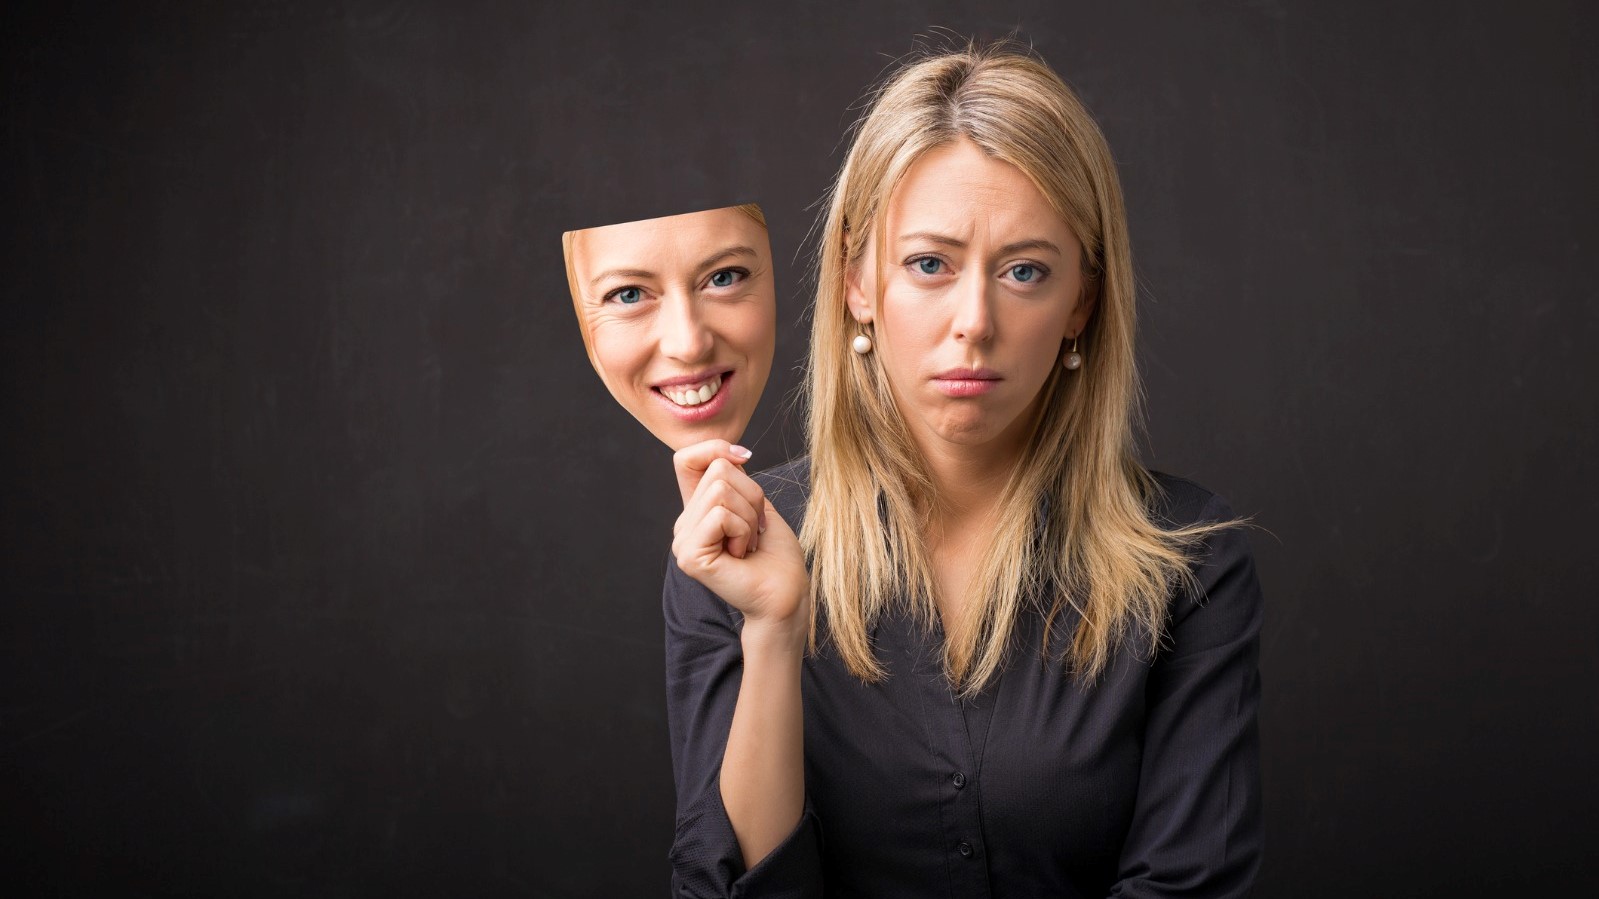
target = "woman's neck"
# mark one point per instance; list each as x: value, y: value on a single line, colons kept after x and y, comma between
x: 968, y: 481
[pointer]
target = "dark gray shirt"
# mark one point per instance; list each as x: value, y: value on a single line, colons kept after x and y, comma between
x: 1146, y: 784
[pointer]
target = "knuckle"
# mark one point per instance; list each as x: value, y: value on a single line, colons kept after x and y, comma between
x: 756, y: 495
x: 733, y: 524
x: 682, y: 461
x: 749, y: 484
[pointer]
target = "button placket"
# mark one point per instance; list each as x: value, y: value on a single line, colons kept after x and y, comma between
x: 950, y: 740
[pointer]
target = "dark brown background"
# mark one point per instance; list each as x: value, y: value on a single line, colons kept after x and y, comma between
x: 330, y: 568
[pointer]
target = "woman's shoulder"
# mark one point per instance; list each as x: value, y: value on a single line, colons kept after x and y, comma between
x: 1180, y: 501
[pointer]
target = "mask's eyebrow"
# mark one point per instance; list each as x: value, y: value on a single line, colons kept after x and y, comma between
x: 728, y: 253
x: 713, y: 259
x: 1036, y: 243
x: 619, y: 273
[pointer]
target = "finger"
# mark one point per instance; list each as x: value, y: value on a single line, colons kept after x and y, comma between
x: 702, y: 545
x: 718, y: 493
x: 723, y: 470
x: 741, y: 544
x: 778, y: 534
x: 691, y: 462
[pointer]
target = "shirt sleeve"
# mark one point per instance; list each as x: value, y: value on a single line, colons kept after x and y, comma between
x: 704, y: 666
x: 1197, y: 828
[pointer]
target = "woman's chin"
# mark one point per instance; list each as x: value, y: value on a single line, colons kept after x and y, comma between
x: 970, y: 428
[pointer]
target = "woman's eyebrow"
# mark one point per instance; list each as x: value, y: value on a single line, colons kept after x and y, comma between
x: 1036, y: 243
x: 932, y: 237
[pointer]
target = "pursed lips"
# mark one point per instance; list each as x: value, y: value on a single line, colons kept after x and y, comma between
x: 964, y: 383
x: 969, y: 374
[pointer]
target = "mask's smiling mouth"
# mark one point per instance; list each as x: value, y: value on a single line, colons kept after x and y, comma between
x: 693, y: 394
x: 696, y: 401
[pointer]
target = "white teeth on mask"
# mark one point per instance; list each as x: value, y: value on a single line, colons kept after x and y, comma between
x: 685, y: 397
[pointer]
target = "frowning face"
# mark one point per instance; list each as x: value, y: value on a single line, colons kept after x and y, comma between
x: 679, y: 315
x: 982, y: 289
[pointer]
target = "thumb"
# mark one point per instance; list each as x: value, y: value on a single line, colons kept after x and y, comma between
x: 776, y: 527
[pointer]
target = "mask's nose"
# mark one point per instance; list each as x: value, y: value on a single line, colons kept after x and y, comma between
x: 684, y: 335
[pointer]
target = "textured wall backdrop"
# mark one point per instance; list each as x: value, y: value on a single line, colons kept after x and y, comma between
x: 331, y: 569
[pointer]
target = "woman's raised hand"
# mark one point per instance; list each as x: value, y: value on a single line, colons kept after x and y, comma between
x: 718, y: 540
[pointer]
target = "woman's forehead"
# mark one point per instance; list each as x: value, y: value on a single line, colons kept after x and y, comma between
x: 947, y: 184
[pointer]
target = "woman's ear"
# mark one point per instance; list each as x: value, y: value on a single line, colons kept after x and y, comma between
x: 860, y: 305
x: 1085, y: 305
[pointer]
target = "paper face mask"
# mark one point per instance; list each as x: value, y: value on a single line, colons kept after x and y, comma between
x: 679, y: 317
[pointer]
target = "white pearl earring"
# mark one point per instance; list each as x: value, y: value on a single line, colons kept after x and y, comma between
x: 862, y: 344
x: 1074, y: 359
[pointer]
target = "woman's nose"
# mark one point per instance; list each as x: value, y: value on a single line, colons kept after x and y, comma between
x: 683, y: 334
x: 974, y: 311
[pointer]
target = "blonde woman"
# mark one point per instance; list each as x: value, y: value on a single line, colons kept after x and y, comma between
x: 999, y: 657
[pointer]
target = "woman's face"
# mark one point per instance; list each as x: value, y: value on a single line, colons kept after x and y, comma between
x: 680, y: 315
x: 979, y: 273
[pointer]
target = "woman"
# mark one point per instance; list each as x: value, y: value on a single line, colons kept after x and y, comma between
x: 1033, y: 663
x: 679, y: 317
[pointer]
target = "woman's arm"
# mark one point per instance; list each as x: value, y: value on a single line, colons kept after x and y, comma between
x: 706, y: 673
x: 733, y: 696
x: 763, y: 767
x: 1197, y: 829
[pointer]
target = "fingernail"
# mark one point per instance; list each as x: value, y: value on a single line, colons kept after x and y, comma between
x: 741, y: 452
x: 763, y: 522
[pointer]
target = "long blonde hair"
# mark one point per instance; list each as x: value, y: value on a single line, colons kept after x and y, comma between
x: 1102, y: 550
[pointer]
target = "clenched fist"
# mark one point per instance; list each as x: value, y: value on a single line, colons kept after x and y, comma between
x: 719, y: 541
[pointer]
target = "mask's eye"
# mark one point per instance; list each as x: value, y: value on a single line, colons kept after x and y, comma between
x: 727, y: 277
x: 625, y: 295
x: 928, y: 265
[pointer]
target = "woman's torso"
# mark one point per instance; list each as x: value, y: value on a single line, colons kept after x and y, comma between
x: 1027, y: 789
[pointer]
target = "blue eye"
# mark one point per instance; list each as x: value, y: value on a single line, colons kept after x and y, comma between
x: 928, y: 265
x: 628, y: 295
x: 1028, y: 272
x: 727, y: 277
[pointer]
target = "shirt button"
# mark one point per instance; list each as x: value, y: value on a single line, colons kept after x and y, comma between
x: 964, y: 849
x: 959, y: 780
